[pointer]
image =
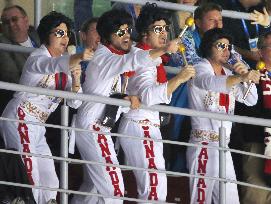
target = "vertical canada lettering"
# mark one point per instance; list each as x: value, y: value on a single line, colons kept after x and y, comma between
x: 24, y: 137
x: 148, y: 145
x: 202, y: 163
x: 102, y: 141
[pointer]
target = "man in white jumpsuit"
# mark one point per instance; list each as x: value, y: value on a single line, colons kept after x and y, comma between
x: 44, y: 68
x: 150, y: 84
x: 103, y: 78
x: 214, y: 89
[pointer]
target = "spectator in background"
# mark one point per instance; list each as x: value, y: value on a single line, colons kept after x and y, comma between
x: 90, y: 39
x: 253, y: 167
x: 207, y: 16
x: 15, y: 31
x: 89, y: 35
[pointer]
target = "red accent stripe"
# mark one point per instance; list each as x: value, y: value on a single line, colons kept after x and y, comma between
x: 150, y: 157
x: 161, y: 72
x: 224, y: 99
x: 25, y: 142
x: 64, y: 80
x: 267, y: 166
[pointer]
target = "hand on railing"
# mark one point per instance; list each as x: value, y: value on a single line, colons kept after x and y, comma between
x: 135, y: 101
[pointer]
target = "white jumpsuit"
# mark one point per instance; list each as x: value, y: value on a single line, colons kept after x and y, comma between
x: 39, y: 71
x: 207, y: 93
x: 103, y: 78
x: 145, y: 124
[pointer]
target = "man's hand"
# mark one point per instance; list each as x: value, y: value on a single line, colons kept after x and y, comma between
x: 240, y: 68
x: 252, y: 75
x: 87, y: 54
x: 186, y: 73
x: 172, y: 46
x: 260, y: 18
x: 76, y: 74
x: 135, y: 101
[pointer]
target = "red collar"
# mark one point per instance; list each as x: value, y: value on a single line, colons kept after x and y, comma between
x: 161, y: 73
x: 145, y: 46
x: 114, y: 50
x: 120, y: 52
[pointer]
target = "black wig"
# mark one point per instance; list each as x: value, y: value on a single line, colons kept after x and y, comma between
x: 148, y: 15
x: 209, y: 38
x: 51, y: 21
x: 110, y: 22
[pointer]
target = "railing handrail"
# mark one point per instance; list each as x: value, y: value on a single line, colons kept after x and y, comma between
x: 183, y: 7
x: 16, y: 48
x: 125, y: 103
x: 135, y: 137
x: 78, y: 161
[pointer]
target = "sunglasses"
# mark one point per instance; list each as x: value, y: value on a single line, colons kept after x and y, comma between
x: 220, y: 46
x: 159, y: 29
x: 13, y: 19
x: 59, y: 33
x: 122, y: 32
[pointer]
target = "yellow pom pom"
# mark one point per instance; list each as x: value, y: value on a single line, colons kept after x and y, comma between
x: 260, y: 65
x: 189, y: 21
x: 181, y: 48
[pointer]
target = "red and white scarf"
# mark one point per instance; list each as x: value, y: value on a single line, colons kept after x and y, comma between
x: 161, y: 72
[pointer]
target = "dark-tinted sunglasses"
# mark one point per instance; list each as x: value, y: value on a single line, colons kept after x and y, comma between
x: 13, y: 19
x: 223, y: 46
x: 122, y: 32
x: 159, y: 29
x: 59, y: 33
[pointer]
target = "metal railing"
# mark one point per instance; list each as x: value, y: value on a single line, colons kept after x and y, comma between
x: 183, y: 7
x: 99, y: 99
